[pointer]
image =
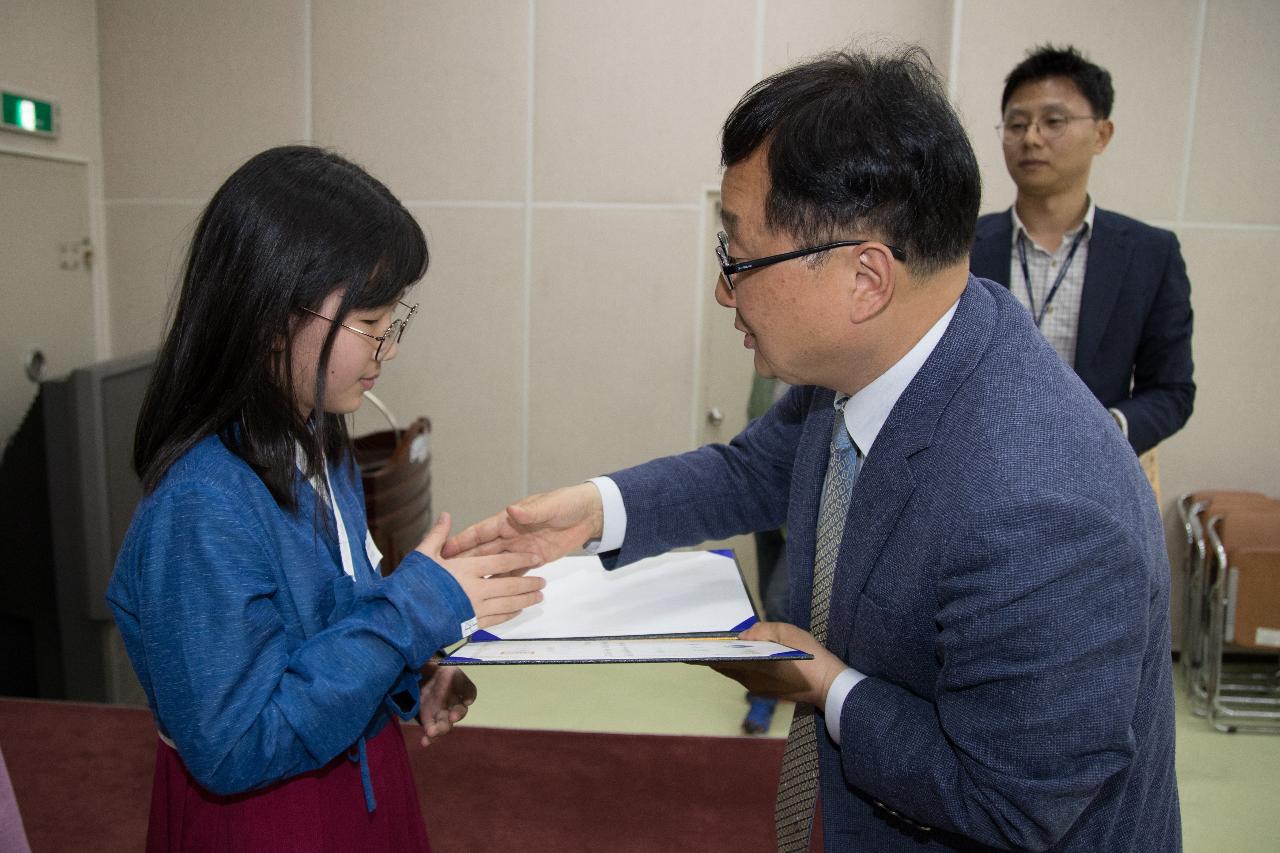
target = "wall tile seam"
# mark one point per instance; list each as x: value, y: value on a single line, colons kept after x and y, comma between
x: 1214, y: 226
x: 760, y: 34
x: 526, y: 343
x: 1172, y: 225
x: 639, y: 207
x: 459, y: 203
x: 678, y: 207
x: 155, y: 202
x: 1188, y: 150
x: 56, y: 156
x: 308, y: 91
x: 953, y: 61
x: 104, y: 345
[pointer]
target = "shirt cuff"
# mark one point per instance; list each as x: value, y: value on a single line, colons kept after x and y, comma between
x: 615, y: 518
x: 836, y: 694
x: 1121, y: 420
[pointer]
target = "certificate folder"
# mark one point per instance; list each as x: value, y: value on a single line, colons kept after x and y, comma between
x: 681, y: 606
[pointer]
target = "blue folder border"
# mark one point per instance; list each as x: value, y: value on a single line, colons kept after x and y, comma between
x: 455, y: 659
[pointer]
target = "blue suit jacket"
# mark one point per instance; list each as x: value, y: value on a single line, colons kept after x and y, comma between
x: 1134, y: 344
x: 1002, y: 582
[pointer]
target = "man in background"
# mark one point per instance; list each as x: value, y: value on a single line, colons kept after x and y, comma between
x: 1108, y: 292
x: 976, y: 563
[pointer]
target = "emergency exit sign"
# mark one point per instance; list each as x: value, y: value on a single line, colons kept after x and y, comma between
x: 29, y: 115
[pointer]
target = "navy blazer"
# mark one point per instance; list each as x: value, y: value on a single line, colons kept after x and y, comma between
x: 1002, y: 582
x: 1133, y: 348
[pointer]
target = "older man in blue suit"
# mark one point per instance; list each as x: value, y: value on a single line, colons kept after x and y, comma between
x: 1109, y: 292
x: 977, y: 563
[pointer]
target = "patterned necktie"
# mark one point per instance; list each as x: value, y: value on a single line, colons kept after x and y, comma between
x: 798, y: 785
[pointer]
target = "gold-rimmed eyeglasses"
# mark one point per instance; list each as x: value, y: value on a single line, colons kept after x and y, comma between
x: 388, y: 339
x: 1049, y: 126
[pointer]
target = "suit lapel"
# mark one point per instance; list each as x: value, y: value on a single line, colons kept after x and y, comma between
x: 1108, y: 258
x: 885, y: 483
x: 991, y: 246
x: 879, y: 495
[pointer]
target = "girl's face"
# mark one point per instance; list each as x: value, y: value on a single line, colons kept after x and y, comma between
x: 351, y: 369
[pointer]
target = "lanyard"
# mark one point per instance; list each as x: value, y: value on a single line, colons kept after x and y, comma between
x: 344, y: 541
x: 1062, y: 273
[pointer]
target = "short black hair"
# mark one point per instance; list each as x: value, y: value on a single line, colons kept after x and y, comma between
x: 863, y: 143
x: 288, y: 228
x: 1044, y: 61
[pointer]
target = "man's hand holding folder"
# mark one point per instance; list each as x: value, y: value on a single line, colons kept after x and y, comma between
x: 793, y: 680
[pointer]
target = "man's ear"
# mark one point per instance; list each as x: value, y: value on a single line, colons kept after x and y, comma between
x: 874, y: 278
x: 1106, y: 129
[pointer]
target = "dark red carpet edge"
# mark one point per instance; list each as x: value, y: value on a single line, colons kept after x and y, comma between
x: 82, y: 776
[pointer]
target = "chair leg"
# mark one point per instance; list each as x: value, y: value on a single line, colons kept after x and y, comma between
x: 1196, y: 611
x: 1251, y: 704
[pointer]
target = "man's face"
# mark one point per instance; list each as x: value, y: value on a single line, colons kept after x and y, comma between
x: 789, y: 312
x: 1043, y: 166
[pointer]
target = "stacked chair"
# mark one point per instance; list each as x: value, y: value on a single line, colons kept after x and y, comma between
x: 1231, y: 635
x: 395, y: 469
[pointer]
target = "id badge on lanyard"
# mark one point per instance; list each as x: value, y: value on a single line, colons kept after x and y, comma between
x: 1038, y: 316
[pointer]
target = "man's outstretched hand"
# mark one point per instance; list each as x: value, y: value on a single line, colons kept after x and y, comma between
x: 550, y: 525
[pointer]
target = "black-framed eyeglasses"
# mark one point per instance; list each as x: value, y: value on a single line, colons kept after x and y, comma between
x: 387, y: 339
x: 730, y: 267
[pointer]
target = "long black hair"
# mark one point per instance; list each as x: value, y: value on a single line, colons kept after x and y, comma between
x: 288, y: 228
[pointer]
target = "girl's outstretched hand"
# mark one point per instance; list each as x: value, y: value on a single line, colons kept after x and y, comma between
x: 494, y: 584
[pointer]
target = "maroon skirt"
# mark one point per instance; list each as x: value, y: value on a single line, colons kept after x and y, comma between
x: 320, y: 810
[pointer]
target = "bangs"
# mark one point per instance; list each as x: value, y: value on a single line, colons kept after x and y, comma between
x: 397, y: 258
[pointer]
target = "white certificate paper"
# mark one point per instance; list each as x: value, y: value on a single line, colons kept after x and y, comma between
x: 694, y: 600
x: 683, y: 592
